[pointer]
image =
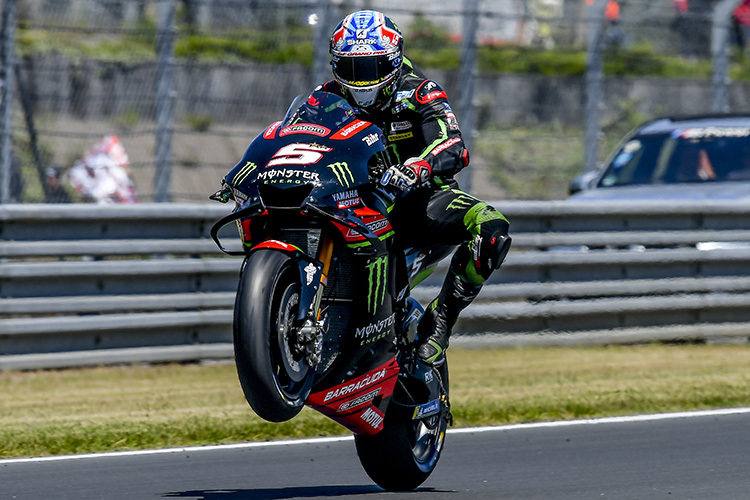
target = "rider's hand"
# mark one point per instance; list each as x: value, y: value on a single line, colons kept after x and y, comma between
x: 412, y: 173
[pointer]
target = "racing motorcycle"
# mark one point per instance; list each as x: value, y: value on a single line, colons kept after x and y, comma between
x: 316, y: 320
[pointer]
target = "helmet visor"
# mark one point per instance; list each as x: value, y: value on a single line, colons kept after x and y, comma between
x: 365, y: 71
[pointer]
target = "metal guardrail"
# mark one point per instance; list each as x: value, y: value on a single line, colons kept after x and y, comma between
x: 83, y: 284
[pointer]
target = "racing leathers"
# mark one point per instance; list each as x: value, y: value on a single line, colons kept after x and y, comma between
x: 424, y: 141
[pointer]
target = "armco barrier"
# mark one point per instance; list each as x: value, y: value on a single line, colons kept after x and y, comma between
x: 84, y: 284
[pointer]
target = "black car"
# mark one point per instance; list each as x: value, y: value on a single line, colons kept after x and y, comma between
x: 692, y: 158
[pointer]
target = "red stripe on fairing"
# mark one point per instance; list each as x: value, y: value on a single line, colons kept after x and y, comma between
x: 364, y: 418
x: 351, y: 130
x: 271, y: 130
x: 276, y: 245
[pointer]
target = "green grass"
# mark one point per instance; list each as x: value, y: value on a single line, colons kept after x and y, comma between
x: 139, y: 407
x: 531, y: 162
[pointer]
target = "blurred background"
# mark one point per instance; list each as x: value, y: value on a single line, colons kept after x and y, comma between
x: 173, y: 91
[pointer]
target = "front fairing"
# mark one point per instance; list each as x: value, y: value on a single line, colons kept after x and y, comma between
x: 319, y: 152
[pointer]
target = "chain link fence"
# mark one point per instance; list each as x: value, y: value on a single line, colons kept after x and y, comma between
x: 542, y: 88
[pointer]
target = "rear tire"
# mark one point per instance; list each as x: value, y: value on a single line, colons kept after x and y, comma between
x: 273, y: 373
x: 403, y: 455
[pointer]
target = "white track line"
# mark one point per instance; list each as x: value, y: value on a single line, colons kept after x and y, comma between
x: 337, y: 439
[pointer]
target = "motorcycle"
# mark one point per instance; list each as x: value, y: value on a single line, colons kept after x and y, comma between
x: 315, y: 316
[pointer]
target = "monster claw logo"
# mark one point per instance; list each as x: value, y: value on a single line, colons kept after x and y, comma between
x: 460, y: 202
x: 244, y: 172
x: 342, y: 172
x: 377, y: 280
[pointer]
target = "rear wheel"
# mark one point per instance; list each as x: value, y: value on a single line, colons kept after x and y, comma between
x: 272, y: 368
x: 403, y: 455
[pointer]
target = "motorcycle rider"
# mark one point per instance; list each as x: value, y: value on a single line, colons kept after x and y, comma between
x: 426, y: 149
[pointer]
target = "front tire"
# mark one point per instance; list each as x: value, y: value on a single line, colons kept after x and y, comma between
x: 271, y: 367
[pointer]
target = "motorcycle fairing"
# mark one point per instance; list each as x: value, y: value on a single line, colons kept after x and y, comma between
x: 359, y: 404
x: 377, y: 224
x: 320, y: 143
x: 332, y: 173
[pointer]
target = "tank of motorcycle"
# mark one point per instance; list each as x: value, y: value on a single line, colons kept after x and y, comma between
x: 319, y: 151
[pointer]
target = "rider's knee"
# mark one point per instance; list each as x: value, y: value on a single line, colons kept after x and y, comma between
x: 476, y: 261
x: 490, y: 247
x: 490, y: 243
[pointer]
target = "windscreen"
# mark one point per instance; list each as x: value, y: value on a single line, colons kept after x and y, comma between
x: 321, y: 108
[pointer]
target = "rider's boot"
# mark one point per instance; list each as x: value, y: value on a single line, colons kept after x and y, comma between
x: 441, y: 315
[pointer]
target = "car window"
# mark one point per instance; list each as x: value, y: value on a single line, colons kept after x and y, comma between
x: 710, y: 154
x: 635, y: 163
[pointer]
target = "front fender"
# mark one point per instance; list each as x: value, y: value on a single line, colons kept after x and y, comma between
x: 310, y: 273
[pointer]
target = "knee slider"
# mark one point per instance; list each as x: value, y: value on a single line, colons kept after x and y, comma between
x: 490, y: 247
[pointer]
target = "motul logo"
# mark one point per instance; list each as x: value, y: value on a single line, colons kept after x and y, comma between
x: 373, y: 417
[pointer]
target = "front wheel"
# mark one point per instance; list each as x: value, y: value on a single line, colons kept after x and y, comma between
x: 403, y: 455
x: 271, y: 366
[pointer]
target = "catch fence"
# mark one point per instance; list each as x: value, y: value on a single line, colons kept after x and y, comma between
x: 542, y: 88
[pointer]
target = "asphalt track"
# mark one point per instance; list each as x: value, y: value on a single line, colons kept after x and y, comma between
x: 694, y: 455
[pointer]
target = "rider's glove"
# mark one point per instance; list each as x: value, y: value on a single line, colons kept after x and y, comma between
x: 412, y: 173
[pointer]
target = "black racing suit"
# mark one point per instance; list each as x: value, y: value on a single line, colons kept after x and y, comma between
x: 419, y: 122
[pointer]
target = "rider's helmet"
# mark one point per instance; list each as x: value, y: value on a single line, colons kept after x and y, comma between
x: 367, y: 51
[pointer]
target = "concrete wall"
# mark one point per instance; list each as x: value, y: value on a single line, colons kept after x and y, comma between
x: 260, y: 93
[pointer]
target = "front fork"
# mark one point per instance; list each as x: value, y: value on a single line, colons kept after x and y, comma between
x: 314, y: 279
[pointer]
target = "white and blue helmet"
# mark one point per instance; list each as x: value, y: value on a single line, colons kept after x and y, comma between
x: 367, y: 51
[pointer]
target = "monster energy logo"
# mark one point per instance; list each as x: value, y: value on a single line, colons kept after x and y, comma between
x: 462, y: 201
x: 377, y: 279
x: 342, y: 172
x: 240, y: 176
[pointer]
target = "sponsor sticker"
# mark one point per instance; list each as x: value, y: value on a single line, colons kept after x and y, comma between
x: 239, y: 196
x: 342, y: 172
x: 452, y: 120
x: 399, y: 126
x: 432, y: 96
x: 361, y: 383
x: 271, y: 131
x: 350, y: 130
x: 375, y: 330
x: 397, y: 109
x: 288, y: 176
x: 403, y: 95
x: 442, y: 147
x: 371, y: 139
x: 373, y: 417
x: 305, y: 128
x: 310, y: 271
x: 400, y: 137
x: 346, y: 199
x: 243, y: 173
x: 359, y: 401
x: 377, y: 276
x: 427, y: 409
